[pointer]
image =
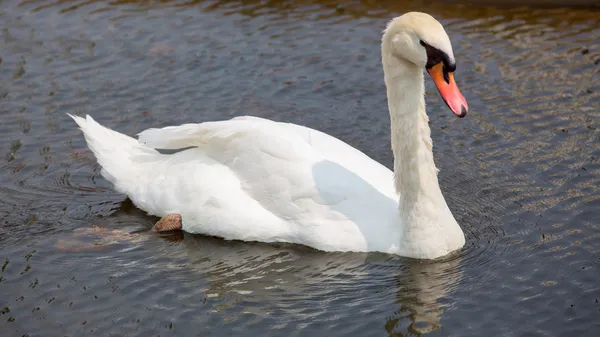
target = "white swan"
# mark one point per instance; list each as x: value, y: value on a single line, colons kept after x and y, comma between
x: 254, y: 179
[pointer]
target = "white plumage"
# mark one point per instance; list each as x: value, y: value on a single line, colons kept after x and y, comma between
x: 254, y: 179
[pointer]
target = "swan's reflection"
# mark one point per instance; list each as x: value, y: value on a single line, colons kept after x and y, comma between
x: 298, y: 284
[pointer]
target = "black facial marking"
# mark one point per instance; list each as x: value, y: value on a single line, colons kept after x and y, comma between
x: 435, y: 56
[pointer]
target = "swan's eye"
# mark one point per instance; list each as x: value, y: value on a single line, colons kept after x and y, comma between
x: 422, y: 43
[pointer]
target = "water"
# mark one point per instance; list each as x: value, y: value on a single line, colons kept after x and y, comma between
x: 521, y: 172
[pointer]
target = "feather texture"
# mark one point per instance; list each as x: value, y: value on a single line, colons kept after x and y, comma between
x: 254, y: 179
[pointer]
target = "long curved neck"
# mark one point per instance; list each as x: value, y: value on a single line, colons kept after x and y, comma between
x: 427, y: 228
x: 420, y: 199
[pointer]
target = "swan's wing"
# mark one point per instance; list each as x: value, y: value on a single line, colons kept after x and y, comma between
x: 337, y: 151
x: 186, y: 135
x: 250, y: 180
x: 265, y: 156
x: 275, y: 138
x: 322, y: 200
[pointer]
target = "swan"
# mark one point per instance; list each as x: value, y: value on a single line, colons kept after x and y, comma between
x: 254, y: 179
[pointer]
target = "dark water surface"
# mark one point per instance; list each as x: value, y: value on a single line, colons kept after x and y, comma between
x: 521, y: 173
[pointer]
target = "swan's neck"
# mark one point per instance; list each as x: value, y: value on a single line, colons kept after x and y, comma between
x: 414, y: 170
x: 422, y: 207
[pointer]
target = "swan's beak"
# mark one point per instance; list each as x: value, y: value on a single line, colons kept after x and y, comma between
x: 448, y: 89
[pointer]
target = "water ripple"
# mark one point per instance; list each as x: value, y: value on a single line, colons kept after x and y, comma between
x: 520, y: 173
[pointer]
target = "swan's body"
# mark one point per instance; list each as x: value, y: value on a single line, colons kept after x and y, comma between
x: 254, y: 179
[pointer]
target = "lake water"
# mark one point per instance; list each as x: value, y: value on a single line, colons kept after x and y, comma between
x: 521, y: 172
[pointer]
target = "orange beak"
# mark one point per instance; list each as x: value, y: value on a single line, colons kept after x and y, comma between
x: 444, y: 81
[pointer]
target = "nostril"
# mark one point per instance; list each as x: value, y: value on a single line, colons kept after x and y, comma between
x: 446, y: 76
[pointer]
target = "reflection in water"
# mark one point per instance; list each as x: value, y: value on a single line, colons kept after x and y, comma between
x: 247, y: 285
x: 419, y: 293
x: 289, y: 279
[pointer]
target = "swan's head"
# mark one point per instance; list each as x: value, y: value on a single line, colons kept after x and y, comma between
x: 421, y: 39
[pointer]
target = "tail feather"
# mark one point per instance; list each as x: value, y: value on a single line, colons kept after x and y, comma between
x: 119, y: 155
